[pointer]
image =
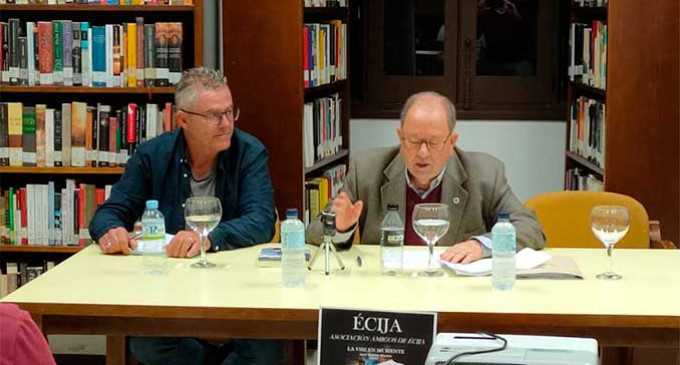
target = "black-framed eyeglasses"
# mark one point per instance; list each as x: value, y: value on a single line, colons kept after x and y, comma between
x: 432, y: 145
x: 231, y: 114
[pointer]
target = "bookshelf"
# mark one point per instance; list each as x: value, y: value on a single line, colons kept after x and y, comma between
x: 640, y: 134
x: 265, y: 68
x: 53, y: 96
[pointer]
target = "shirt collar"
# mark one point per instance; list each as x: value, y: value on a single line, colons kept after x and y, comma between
x: 433, y: 184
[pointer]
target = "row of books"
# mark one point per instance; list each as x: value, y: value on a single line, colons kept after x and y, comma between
x: 322, y: 128
x: 591, y: 3
x: 69, y: 53
x: 76, y: 134
x: 587, y: 129
x: 17, y: 274
x: 325, y: 3
x: 319, y: 190
x: 47, y: 215
x: 588, y: 54
x: 324, y: 52
x: 99, y: 2
x: 578, y: 179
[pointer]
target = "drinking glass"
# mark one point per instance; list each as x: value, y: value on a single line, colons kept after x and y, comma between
x: 431, y: 222
x: 202, y: 214
x: 609, y: 224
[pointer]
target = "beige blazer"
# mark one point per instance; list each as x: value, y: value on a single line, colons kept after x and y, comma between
x: 474, y: 187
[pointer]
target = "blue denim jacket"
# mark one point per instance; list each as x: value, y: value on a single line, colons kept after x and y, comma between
x: 160, y: 170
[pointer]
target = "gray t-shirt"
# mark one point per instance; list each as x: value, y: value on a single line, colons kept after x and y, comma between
x: 204, y: 185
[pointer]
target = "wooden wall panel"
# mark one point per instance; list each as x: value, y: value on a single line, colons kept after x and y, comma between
x: 642, y: 107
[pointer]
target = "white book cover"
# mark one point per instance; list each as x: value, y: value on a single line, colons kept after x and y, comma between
x: 151, y: 122
x: 30, y: 221
x: 110, y: 81
x: 30, y: 48
x: 44, y: 228
x: 308, y: 134
x: 50, y: 214
x: 49, y: 137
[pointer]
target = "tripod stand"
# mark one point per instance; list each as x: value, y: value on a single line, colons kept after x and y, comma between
x: 328, y: 247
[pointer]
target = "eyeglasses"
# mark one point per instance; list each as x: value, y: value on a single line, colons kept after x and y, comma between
x: 432, y: 145
x: 231, y: 114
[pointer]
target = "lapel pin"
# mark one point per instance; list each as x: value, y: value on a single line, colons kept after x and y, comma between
x: 456, y: 200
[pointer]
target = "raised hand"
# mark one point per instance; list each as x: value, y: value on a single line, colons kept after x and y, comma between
x: 346, y: 213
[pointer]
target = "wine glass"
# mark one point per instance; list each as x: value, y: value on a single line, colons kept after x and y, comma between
x: 431, y: 222
x: 609, y: 224
x: 202, y: 214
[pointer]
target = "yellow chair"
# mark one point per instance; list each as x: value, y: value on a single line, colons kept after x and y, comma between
x: 565, y: 217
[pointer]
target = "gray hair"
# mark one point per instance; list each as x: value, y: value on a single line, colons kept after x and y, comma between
x: 186, y: 92
x: 446, y: 103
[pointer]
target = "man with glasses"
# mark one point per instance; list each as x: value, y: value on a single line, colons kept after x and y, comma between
x: 205, y: 156
x: 428, y: 168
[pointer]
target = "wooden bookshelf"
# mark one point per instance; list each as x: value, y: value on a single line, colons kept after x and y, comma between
x: 319, y: 14
x: 584, y: 163
x: 324, y: 90
x: 96, y: 7
x: 48, y: 89
x: 589, y: 91
x: 62, y: 170
x: 328, y: 161
x: 40, y: 249
x: 191, y: 18
x: 589, y: 12
x: 641, y: 145
x: 265, y: 71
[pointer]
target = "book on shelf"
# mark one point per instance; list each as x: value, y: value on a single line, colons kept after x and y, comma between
x: 590, y: 3
x: 319, y: 190
x: 49, y: 214
x: 588, y: 53
x: 587, y: 129
x: 21, y: 273
x: 324, y: 52
x: 325, y: 3
x: 76, y: 134
x: 71, y: 53
x: 322, y: 128
x: 580, y: 179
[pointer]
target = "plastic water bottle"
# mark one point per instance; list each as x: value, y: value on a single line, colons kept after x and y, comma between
x: 153, y: 239
x: 293, y: 263
x: 504, y: 248
x: 391, y: 241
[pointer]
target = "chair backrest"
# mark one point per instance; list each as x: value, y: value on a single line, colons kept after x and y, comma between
x: 565, y: 217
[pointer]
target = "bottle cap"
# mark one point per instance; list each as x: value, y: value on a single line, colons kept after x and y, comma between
x: 291, y: 213
x: 152, y: 204
x: 503, y: 215
x: 394, y: 207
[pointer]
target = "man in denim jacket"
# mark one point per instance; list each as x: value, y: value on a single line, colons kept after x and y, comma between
x: 205, y: 156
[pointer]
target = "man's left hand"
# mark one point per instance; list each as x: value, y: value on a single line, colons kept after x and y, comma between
x: 463, y: 252
x: 186, y: 244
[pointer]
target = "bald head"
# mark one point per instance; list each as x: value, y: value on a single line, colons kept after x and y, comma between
x: 433, y: 100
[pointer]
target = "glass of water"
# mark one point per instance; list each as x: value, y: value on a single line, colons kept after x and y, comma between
x: 431, y: 222
x: 203, y: 214
x: 609, y: 224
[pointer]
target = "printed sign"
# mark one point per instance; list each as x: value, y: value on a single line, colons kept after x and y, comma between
x: 366, y: 337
